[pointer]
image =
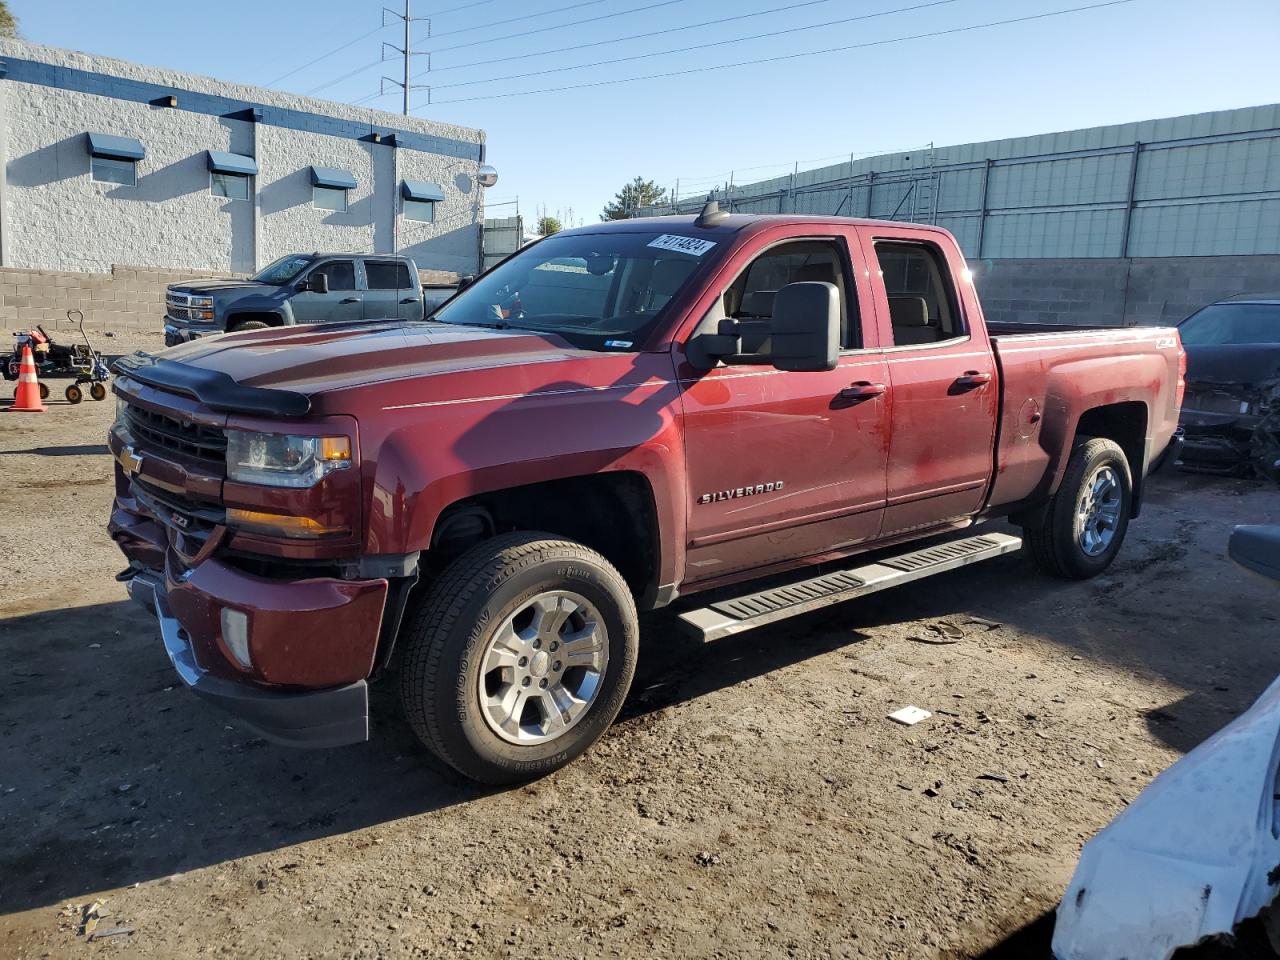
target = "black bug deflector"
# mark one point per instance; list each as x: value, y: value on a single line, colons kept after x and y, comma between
x: 216, y: 390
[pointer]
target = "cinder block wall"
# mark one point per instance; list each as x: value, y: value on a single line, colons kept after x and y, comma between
x: 1115, y: 292
x: 127, y: 298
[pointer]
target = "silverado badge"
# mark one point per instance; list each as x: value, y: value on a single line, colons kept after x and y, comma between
x: 739, y: 492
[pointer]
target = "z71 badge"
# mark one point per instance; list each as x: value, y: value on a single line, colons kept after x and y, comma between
x: 740, y: 492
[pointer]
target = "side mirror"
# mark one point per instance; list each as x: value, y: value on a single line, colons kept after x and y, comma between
x: 805, y: 330
x: 802, y: 335
x: 464, y: 282
x: 318, y: 282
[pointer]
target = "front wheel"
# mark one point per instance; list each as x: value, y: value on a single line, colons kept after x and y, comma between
x: 1087, y: 518
x: 519, y: 657
x: 73, y: 393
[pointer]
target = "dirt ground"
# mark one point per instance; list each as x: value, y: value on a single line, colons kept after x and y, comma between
x: 753, y: 801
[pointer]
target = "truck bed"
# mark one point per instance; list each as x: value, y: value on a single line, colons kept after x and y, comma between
x: 1047, y: 373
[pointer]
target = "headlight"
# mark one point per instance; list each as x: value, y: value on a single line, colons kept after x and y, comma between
x: 284, y: 460
x: 202, y: 301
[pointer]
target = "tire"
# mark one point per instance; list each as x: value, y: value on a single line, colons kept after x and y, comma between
x: 73, y: 393
x: 450, y: 690
x: 249, y: 325
x: 44, y: 391
x: 1061, y: 544
x: 98, y: 391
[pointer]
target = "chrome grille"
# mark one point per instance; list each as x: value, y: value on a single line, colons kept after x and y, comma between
x: 170, y: 433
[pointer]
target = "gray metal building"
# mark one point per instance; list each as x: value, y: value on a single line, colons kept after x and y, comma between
x: 1134, y: 222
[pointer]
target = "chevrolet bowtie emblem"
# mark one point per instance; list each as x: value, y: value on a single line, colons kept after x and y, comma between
x: 129, y: 461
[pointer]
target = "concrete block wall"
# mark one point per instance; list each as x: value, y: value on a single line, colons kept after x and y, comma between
x: 1116, y: 292
x: 126, y: 298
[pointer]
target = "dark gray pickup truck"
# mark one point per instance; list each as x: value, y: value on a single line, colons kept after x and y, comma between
x: 301, y: 288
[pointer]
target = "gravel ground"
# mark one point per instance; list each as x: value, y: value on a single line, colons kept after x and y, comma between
x: 753, y: 801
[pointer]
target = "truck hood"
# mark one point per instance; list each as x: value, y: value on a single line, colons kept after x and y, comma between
x: 1244, y: 364
x: 322, y: 358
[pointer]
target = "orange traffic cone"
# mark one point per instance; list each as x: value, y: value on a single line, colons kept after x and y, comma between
x: 27, y: 398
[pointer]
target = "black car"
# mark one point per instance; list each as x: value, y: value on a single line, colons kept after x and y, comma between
x: 1231, y: 410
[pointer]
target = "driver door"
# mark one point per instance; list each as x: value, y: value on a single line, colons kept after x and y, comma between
x: 785, y: 465
x: 342, y: 302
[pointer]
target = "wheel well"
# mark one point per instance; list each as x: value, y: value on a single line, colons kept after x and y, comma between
x: 1126, y: 424
x: 612, y: 513
x: 270, y: 319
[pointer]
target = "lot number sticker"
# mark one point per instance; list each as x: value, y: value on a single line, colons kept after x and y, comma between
x: 689, y: 245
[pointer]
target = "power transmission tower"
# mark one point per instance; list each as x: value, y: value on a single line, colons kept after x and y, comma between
x: 407, y: 52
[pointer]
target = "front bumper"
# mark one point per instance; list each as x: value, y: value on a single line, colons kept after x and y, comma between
x: 181, y: 331
x: 1217, y: 443
x: 333, y: 717
x: 312, y: 642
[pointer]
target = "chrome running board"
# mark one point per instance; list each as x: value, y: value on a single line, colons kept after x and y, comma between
x: 726, y: 617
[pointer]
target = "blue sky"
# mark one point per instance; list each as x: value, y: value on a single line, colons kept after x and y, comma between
x: 570, y: 150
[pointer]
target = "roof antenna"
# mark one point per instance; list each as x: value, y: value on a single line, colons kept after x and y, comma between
x: 711, y: 215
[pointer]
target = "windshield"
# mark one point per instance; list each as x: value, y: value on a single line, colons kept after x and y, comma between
x: 1221, y: 323
x: 601, y: 291
x: 283, y: 270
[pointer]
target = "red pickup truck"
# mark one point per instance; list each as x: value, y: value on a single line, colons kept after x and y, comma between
x: 477, y: 504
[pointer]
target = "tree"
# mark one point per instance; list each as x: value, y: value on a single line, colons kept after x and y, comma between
x: 549, y: 225
x: 8, y: 24
x: 628, y: 201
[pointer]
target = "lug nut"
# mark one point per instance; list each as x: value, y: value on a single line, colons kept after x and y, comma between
x: 554, y: 646
x: 537, y: 644
x: 524, y: 661
x: 556, y: 666
x: 524, y: 682
x: 543, y: 683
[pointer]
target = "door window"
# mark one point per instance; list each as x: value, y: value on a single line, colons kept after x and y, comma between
x: 341, y: 274
x: 388, y: 275
x: 921, y: 297
x: 751, y: 295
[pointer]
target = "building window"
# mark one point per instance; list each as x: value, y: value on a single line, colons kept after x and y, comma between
x: 329, y: 198
x: 424, y: 210
x: 114, y: 159
x: 233, y: 186
x: 114, y: 170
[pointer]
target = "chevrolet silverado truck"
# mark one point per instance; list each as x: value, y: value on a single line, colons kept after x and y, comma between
x: 724, y: 409
x: 296, y: 289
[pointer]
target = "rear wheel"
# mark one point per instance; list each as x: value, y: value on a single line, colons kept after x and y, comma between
x: 519, y: 657
x: 73, y: 393
x: 44, y: 391
x: 98, y: 391
x: 1087, y: 518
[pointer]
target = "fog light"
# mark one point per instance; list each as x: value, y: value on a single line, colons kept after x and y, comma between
x: 235, y: 634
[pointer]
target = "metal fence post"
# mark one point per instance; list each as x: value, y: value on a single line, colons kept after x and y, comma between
x: 1128, y: 205
x: 982, y: 215
x: 871, y: 185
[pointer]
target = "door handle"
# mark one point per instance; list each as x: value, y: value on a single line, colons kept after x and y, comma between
x: 409, y: 300
x: 862, y: 390
x: 349, y: 300
x: 973, y: 378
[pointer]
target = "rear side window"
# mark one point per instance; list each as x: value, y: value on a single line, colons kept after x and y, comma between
x: 921, y: 296
x: 387, y: 275
x: 341, y: 274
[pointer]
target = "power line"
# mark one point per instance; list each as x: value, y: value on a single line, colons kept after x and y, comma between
x: 699, y: 46
x: 365, y: 36
x: 792, y: 56
x: 528, y: 16
x: 323, y: 56
x: 632, y: 36
x: 559, y: 26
